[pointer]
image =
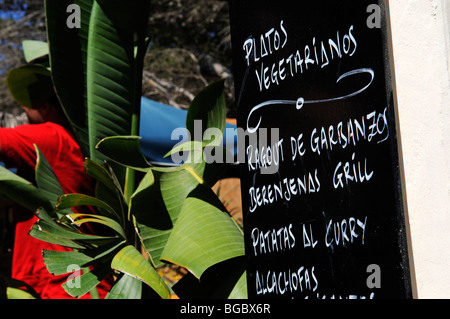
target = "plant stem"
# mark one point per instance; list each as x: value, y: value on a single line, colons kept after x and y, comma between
x: 139, y: 54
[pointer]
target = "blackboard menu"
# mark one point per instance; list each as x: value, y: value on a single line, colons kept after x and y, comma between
x: 318, y: 149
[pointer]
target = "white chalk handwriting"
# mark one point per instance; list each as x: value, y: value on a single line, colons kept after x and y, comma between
x: 301, y: 101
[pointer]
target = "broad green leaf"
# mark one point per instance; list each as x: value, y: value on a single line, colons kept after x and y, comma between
x: 46, y: 178
x: 33, y: 49
x: 151, y: 220
x: 23, y: 192
x: 114, y: 75
x: 59, y: 262
x: 68, y: 61
x: 59, y: 230
x: 166, y: 194
x: 15, y: 293
x: 109, y: 78
x: 126, y: 287
x: 17, y: 289
x: 111, y: 73
x: 124, y: 150
x: 204, y: 235
x: 77, y: 287
x: 75, y: 200
x: 196, y: 171
x: 37, y: 232
x: 206, y: 174
x: 240, y: 289
x: 175, y: 186
x: 100, y: 173
x: 131, y: 262
x: 208, y: 107
x: 147, y: 181
x: 47, y: 181
x: 107, y: 189
x: 79, y: 219
x: 49, y: 237
x: 30, y: 85
x: 195, y: 149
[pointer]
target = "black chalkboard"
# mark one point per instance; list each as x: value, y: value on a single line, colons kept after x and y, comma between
x: 320, y: 174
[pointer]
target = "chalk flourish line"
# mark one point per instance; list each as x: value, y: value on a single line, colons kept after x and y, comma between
x: 301, y: 101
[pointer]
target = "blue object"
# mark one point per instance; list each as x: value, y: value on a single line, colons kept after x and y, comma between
x: 14, y: 170
x: 157, y: 123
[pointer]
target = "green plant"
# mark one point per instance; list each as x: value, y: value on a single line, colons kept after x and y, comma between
x: 170, y: 214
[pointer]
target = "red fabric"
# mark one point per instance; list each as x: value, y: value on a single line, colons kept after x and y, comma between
x: 66, y: 159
